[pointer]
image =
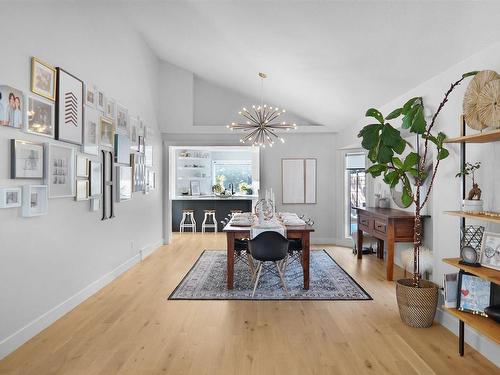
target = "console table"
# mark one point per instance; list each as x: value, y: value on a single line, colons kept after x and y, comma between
x: 386, y: 225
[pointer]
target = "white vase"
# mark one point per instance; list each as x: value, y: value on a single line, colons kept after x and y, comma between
x: 472, y: 205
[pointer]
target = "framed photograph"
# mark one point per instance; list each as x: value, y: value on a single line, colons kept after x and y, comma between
x: 107, y: 132
x: 474, y: 293
x: 148, y: 155
x: 91, y: 132
x: 82, y: 190
x: 95, y: 204
x: 11, y: 107
x: 152, y: 180
x: 148, y: 132
x: 26, y: 159
x: 490, y: 250
x: 122, y: 149
x: 35, y: 200
x: 124, y: 183
x: 122, y: 120
x: 195, y: 187
x: 134, y: 133
x: 43, y: 79
x: 40, y: 117
x: 61, y: 171
x: 69, y: 108
x: 138, y: 171
x: 141, y: 144
x: 90, y: 97
x: 82, y: 166
x: 110, y: 108
x: 298, y: 180
x: 10, y: 197
x: 100, y: 100
x: 95, y: 178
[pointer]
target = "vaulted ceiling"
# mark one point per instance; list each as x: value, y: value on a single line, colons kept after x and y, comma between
x: 327, y: 60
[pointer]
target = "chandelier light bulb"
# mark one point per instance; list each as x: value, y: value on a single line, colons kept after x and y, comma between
x: 282, y: 140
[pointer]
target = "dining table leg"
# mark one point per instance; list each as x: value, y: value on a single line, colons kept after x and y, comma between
x: 230, y: 260
x: 306, y: 254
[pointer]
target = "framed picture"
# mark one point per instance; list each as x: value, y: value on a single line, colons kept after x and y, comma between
x: 82, y: 190
x: 148, y: 132
x: 141, y: 144
x: 137, y: 164
x: 10, y: 197
x: 474, y: 293
x: 95, y: 204
x: 195, y: 187
x: 82, y: 166
x: 90, y: 97
x: 122, y: 120
x: 100, y: 100
x: 122, y: 149
x: 43, y: 79
x: 124, y: 183
x: 148, y: 155
x: 298, y: 180
x: 35, y: 200
x: 40, y: 117
x: 95, y: 178
x: 490, y: 250
x: 11, y: 107
x: 69, y: 108
x: 91, y: 132
x: 26, y: 159
x: 152, y: 180
x: 107, y: 132
x: 61, y: 171
x: 110, y: 108
x: 134, y: 133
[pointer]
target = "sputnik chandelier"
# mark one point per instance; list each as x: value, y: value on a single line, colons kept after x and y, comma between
x: 261, y: 124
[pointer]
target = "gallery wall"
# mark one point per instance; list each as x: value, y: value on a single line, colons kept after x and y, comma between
x: 51, y: 263
x: 446, y: 192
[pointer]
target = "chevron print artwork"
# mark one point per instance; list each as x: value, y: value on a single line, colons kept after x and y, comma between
x: 71, y: 109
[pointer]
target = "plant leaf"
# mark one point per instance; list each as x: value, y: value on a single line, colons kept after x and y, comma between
x: 418, y: 124
x: 394, y: 114
x: 406, y: 198
x: 400, y: 147
x: 411, y: 160
x: 443, y: 154
x: 376, y: 169
x: 397, y: 163
x: 370, y: 135
x: 408, y: 105
x: 385, y: 154
x: 390, y: 136
x: 375, y: 113
x: 392, y: 178
x: 408, y: 118
x: 473, y: 73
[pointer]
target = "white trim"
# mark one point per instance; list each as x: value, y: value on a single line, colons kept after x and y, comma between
x: 150, y: 249
x: 480, y: 343
x: 18, y: 338
x: 331, y: 241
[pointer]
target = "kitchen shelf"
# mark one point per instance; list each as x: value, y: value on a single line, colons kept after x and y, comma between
x: 482, y: 272
x: 484, y: 137
x: 486, y: 326
x: 468, y: 215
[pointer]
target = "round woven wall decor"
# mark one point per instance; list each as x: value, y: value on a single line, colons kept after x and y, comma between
x: 471, y: 98
x: 488, y: 104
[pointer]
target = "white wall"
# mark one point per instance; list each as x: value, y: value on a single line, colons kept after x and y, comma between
x: 446, y: 193
x: 49, y: 264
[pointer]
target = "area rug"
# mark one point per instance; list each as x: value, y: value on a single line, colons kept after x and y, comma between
x: 328, y: 281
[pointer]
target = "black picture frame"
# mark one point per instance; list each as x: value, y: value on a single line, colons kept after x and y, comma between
x: 493, y: 293
x: 58, y: 109
x: 13, y: 159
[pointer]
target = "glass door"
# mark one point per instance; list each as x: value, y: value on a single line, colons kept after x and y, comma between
x: 355, y: 181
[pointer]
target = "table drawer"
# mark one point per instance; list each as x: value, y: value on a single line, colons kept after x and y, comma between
x: 380, y: 226
x: 365, y: 222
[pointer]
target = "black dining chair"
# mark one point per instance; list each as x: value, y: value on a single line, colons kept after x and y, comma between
x: 269, y: 246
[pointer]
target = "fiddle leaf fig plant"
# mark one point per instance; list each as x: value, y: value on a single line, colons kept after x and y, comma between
x: 386, y: 147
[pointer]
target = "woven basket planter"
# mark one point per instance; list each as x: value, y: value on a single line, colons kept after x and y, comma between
x: 417, y: 306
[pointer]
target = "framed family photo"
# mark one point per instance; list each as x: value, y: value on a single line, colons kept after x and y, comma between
x: 10, y: 197
x: 69, y: 108
x: 26, y: 159
x: 40, y: 117
x: 43, y: 79
x: 35, y: 200
x: 490, y: 250
x: 60, y: 171
x: 12, y: 107
x: 91, y: 132
x: 124, y: 183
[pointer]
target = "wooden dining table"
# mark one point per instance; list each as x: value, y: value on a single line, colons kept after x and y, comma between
x: 301, y: 232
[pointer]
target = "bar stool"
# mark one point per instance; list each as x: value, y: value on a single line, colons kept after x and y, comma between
x: 188, y: 214
x: 209, y: 214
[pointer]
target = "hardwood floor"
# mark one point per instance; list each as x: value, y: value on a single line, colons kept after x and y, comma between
x: 130, y: 327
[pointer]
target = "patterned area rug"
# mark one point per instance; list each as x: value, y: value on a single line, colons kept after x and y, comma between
x: 328, y: 281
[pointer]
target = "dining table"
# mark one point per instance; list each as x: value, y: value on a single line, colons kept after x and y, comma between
x: 295, y: 232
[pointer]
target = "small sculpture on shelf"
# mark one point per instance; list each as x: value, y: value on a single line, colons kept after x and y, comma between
x: 473, y: 203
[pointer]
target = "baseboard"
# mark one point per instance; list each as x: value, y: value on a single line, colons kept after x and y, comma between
x: 331, y: 241
x: 18, y: 338
x: 150, y: 249
x: 482, y: 344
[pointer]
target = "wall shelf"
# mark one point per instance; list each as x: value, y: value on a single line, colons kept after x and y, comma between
x: 482, y: 272
x: 484, y: 137
x: 468, y: 215
x: 486, y: 326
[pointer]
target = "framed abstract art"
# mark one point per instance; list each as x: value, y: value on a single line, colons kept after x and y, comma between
x: 26, y: 159
x: 69, y: 108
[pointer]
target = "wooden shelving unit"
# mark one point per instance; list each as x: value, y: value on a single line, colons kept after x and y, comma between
x: 485, y: 326
x: 482, y: 272
x: 484, y: 137
x: 468, y: 215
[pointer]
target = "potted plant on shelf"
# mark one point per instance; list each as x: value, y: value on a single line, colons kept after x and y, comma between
x: 417, y: 299
x: 473, y: 203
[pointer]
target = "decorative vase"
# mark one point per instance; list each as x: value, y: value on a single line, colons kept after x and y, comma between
x: 472, y: 205
x: 417, y: 306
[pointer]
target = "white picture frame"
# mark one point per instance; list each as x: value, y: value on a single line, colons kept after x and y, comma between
x: 95, y: 178
x: 110, y: 111
x: 123, y: 183
x: 10, y: 197
x: 95, y: 204
x: 69, y: 108
x: 298, y: 180
x: 134, y: 133
x: 490, y: 250
x: 35, y: 200
x: 26, y: 160
x: 82, y: 190
x: 122, y: 119
x: 148, y: 155
x: 91, y: 131
x: 194, y: 186
x: 100, y: 103
x: 122, y: 149
x: 82, y: 166
x: 107, y: 133
x: 89, y: 96
x: 40, y: 117
x: 60, y: 171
